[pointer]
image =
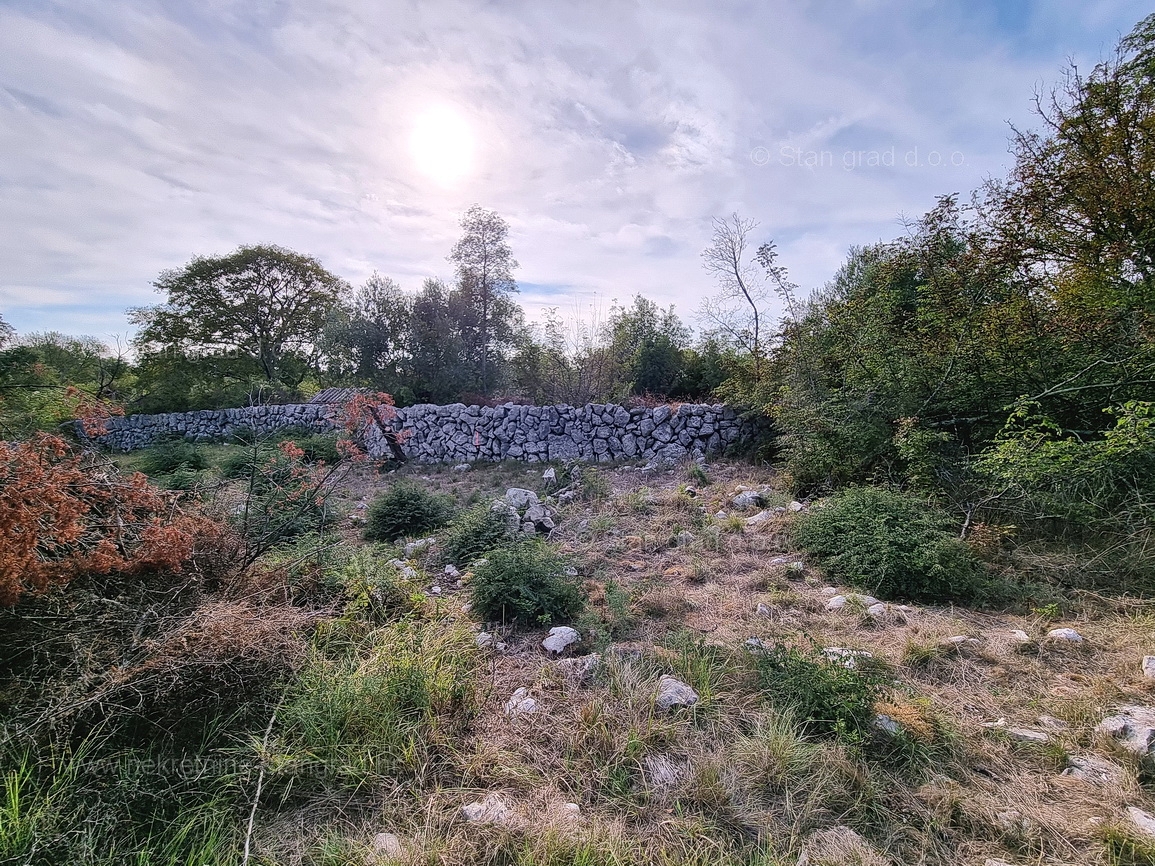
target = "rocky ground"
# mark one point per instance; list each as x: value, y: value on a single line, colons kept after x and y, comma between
x: 1026, y: 734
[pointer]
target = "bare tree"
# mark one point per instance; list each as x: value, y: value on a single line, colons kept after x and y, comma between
x: 735, y: 310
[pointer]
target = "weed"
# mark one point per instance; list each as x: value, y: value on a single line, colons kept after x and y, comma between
x: 827, y: 697
x: 525, y: 582
x: 390, y: 711
x: 405, y: 510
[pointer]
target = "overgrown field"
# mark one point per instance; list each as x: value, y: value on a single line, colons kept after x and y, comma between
x: 302, y: 695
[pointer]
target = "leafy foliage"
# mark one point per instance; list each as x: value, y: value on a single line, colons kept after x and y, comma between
x: 473, y: 533
x: 406, y: 509
x: 525, y: 582
x: 890, y: 543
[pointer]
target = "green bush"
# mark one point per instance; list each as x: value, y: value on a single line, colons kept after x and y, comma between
x: 892, y: 544
x: 240, y: 463
x: 525, y: 582
x: 319, y: 447
x: 825, y: 696
x: 473, y: 533
x: 405, y: 509
x: 165, y: 458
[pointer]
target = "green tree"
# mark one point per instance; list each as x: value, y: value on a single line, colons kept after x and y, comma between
x: 1081, y: 195
x: 485, y: 265
x: 256, y: 312
x: 367, y: 340
x: 648, y: 345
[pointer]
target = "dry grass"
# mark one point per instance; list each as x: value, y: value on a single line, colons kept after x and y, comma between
x: 675, y: 589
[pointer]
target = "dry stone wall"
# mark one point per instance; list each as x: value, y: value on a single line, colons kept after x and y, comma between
x: 457, y: 433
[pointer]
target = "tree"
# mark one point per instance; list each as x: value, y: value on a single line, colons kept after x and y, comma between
x: 485, y: 266
x: 260, y: 309
x: 7, y: 332
x: 736, y: 311
x: 648, y: 345
x: 437, y: 362
x: 1080, y: 199
x: 368, y: 339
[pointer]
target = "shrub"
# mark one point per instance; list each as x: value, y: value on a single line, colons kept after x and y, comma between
x: 166, y: 458
x: 525, y: 582
x: 892, y: 544
x: 406, y: 509
x: 319, y: 447
x: 63, y: 516
x: 825, y: 696
x: 473, y: 533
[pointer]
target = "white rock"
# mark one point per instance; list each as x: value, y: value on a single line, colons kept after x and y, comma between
x: 435, y: 589
x: 1028, y: 735
x: 748, y: 499
x: 1133, y: 727
x: 1144, y: 821
x: 878, y: 610
x: 1068, y: 635
x: 490, y: 810
x: 795, y: 506
x: 840, y: 601
x: 520, y: 703
x: 886, y: 724
x: 1021, y: 636
x: 388, y: 845
x: 484, y: 639
x: 763, y: 610
x: 760, y: 517
x: 451, y: 571
x: 462, y: 467
x: 578, y: 670
x: 721, y: 515
x: 413, y: 548
x: 466, y: 608
x: 519, y: 497
x: 1093, y: 769
x: 549, y: 474
x: 673, y: 692
x: 559, y: 638
x: 848, y: 658
x: 1149, y: 667
x: 1053, y: 724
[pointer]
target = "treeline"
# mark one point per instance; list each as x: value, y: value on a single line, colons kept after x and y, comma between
x: 1000, y: 356
x: 266, y: 323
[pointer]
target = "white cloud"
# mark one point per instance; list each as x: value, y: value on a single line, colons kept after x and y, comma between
x: 136, y: 135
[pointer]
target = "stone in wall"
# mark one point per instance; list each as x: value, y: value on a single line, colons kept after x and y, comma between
x: 457, y: 433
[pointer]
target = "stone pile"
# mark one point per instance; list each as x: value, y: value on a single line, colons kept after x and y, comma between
x: 596, y: 432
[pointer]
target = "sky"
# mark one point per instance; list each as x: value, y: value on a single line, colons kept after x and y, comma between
x: 136, y: 134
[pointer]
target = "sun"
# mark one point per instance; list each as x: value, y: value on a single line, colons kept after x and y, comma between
x: 442, y: 145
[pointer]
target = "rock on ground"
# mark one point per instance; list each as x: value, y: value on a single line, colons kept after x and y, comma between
x: 672, y: 692
x: 489, y: 810
x: 559, y: 638
x: 1133, y: 727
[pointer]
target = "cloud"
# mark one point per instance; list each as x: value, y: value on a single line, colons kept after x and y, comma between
x: 137, y: 135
